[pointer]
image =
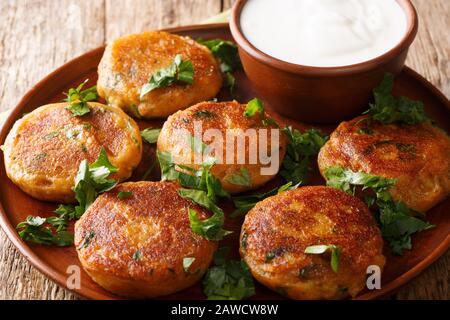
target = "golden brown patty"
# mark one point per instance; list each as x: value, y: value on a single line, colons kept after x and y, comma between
x: 220, y: 117
x: 277, y: 231
x: 129, y: 62
x: 45, y: 148
x: 417, y: 155
x: 135, y: 247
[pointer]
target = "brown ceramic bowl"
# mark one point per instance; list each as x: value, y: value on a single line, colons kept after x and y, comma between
x: 316, y: 94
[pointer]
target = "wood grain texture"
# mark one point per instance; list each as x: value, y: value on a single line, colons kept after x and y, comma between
x: 33, y: 43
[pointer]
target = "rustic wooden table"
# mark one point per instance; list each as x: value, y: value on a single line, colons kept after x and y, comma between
x: 37, y: 36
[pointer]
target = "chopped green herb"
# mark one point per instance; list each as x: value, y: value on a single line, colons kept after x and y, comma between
x: 124, y: 195
x: 40, y: 157
x: 228, y: 280
x: 204, y: 114
x: 244, y: 203
x: 270, y: 256
x: 211, y: 228
x: 87, y: 239
x: 51, y: 135
x: 201, y: 179
x: 66, y: 211
x: 320, y: 249
x: 92, y: 180
x: 301, y: 148
x: 150, y: 135
x: 242, y: 179
x: 187, y: 263
x: 397, y: 221
x: 254, y: 107
x: 387, y: 109
x: 78, y: 99
x: 180, y: 71
x: 35, y: 230
x: 137, y: 255
x: 226, y: 51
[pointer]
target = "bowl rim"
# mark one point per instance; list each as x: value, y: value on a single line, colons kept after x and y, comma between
x: 245, y: 45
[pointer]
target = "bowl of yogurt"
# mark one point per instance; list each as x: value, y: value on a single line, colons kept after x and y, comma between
x: 318, y: 60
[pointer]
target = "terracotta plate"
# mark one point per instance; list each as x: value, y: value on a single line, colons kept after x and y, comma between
x: 15, y: 206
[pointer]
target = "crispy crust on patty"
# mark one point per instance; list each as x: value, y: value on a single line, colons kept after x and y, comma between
x: 417, y: 155
x: 129, y: 62
x: 136, y: 245
x: 219, y: 116
x: 45, y: 148
x: 277, y: 231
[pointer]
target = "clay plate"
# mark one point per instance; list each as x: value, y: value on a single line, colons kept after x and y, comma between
x: 15, y: 205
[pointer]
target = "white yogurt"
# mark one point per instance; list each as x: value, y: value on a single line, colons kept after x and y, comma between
x: 324, y: 33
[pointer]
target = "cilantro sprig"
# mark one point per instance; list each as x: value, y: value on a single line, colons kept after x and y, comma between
x: 228, y: 279
x: 227, y: 53
x: 397, y: 221
x: 388, y: 109
x: 78, y: 99
x: 301, y: 149
x: 321, y: 249
x: 180, y: 71
x: 90, y: 181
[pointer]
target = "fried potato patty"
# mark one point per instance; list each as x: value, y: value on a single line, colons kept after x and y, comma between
x: 277, y: 231
x: 129, y: 62
x: 180, y: 139
x: 44, y: 149
x: 136, y: 246
x: 418, y: 156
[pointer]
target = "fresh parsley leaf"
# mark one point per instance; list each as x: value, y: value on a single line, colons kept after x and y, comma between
x: 35, y: 230
x: 254, y: 106
x: 397, y: 221
x: 187, y: 263
x: 228, y: 280
x: 92, y: 180
x: 201, y: 179
x: 180, y: 71
x: 347, y: 180
x: 225, y: 51
x: 150, y: 135
x: 197, y: 145
x: 388, y: 109
x: 124, y: 195
x: 242, y: 179
x: 66, y: 211
x: 211, y: 228
x: 78, y: 99
x: 301, y: 149
x: 321, y: 249
x: 244, y: 204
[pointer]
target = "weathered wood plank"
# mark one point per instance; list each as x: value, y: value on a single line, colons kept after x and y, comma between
x: 430, y: 56
x: 155, y: 14
x: 33, y: 43
x: 37, y: 36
